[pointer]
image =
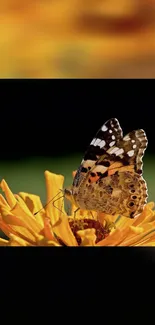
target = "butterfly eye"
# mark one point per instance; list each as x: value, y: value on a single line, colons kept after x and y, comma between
x: 67, y: 192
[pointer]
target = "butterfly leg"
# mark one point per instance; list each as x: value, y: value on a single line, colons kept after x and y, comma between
x: 91, y: 214
x: 75, y: 212
x: 68, y: 208
x: 110, y: 226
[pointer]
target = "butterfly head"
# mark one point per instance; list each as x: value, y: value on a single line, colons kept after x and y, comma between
x: 68, y: 193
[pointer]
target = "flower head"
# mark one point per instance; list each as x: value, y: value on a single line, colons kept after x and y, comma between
x: 51, y: 226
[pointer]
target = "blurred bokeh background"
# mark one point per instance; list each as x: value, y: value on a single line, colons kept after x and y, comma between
x: 77, y: 39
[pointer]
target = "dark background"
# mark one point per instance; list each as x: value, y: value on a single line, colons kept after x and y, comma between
x: 57, y: 117
x: 48, y: 124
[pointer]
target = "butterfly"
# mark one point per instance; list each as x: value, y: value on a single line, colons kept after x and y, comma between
x: 109, y: 178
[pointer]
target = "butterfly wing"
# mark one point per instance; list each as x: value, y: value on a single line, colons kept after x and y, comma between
x: 123, y: 154
x: 110, y: 154
x: 123, y: 193
x: 103, y: 140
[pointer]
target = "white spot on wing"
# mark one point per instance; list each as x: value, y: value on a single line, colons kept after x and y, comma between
x: 111, y: 144
x: 130, y: 153
x: 89, y: 163
x: 100, y: 168
x: 113, y: 137
x: 133, y: 141
x: 97, y: 141
x: 93, y: 141
x: 110, y: 131
x: 134, y: 146
x: 113, y: 150
x: 119, y: 152
x: 102, y: 144
x: 126, y: 138
x: 104, y: 128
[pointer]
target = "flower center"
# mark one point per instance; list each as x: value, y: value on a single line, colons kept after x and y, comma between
x: 82, y: 224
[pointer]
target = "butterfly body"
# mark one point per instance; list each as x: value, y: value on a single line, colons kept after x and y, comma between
x: 109, y: 178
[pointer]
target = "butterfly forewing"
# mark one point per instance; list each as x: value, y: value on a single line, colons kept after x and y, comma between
x: 108, y: 135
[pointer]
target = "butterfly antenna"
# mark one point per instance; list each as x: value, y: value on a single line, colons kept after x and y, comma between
x: 48, y: 202
x: 61, y: 205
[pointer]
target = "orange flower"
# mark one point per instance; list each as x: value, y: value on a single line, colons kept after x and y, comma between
x: 51, y: 226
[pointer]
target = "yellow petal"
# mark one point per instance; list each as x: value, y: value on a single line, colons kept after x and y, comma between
x: 34, y: 204
x: 5, y: 228
x: 17, y: 224
x: 48, y: 232
x: 3, y: 202
x: 88, y: 237
x: 136, y: 230
x: 114, y: 239
x: 17, y: 241
x: 4, y: 242
x: 9, y: 195
x: 21, y: 211
x: 29, y: 220
x: 147, y: 211
x: 51, y: 243
x: 150, y: 205
x: 11, y: 219
x: 150, y: 217
x: 148, y: 242
x: 123, y: 222
x: 147, y: 234
x: 59, y: 220
x: 54, y: 183
x: 108, y: 217
x: 42, y: 241
x: 17, y: 231
x: 136, y: 234
x: 63, y: 231
x: 131, y: 233
x: 25, y: 234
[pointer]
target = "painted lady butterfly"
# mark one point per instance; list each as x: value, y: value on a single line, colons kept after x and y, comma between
x: 109, y: 178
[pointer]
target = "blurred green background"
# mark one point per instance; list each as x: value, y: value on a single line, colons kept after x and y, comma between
x: 28, y: 175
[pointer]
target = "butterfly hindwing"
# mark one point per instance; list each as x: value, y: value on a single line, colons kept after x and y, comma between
x: 122, y: 193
